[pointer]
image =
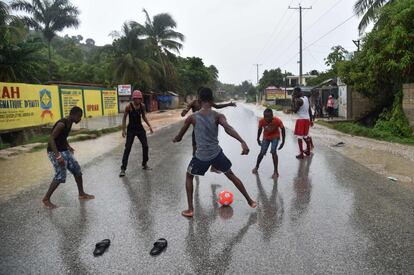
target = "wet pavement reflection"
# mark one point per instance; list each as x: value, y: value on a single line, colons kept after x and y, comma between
x: 324, y: 215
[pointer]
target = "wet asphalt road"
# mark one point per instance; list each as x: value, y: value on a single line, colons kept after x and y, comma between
x: 325, y: 215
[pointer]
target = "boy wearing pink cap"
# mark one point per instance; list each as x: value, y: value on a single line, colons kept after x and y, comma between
x: 134, y: 111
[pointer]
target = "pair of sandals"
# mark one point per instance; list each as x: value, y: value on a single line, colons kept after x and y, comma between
x: 102, y: 246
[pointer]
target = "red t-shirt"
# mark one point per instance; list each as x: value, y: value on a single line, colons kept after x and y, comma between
x: 271, y: 130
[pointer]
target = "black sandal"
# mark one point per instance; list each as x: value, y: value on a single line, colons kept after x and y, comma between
x: 159, y: 246
x: 101, y: 247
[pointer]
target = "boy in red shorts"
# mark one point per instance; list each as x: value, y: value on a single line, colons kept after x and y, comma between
x: 271, y: 135
x: 301, y: 106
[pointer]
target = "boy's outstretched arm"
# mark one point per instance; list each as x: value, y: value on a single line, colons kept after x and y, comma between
x: 233, y: 133
x: 187, y: 109
x: 188, y: 121
x: 221, y: 106
x: 259, y: 133
x: 283, y: 138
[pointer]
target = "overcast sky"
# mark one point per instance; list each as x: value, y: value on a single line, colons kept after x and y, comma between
x: 235, y: 34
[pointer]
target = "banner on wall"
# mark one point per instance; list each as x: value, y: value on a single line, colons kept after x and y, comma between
x: 71, y: 98
x: 124, y: 90
x: 93, y: 103
x: 110, y: 102
x: 24, y: 105
x: 273, y: 93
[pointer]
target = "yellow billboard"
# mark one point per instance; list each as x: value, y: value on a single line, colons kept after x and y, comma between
x: 110, y: 102
x: 24, y: 105
x: 70, y: 98
x: 275, y: 94
x: 93, y: 103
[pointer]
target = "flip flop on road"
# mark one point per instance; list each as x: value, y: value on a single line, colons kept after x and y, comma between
x: 159, y: 246
x: 101, y: 247
x: 339, y: 144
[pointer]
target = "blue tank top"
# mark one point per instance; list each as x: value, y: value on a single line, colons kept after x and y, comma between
x: 206, y: 135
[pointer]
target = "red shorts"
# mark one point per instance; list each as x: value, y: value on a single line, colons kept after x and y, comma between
x: 302, y: 127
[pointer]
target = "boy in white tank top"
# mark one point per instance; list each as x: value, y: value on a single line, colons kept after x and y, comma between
x: 301, y: 107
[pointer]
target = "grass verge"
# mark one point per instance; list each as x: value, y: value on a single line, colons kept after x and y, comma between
x: 274, y: 107
x: 356, y: 129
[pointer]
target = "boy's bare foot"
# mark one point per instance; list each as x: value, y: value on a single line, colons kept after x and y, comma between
x: 86, y: 197
x: 187, y: 213
x: 48, y: 204
x: 275, y: 175
x: 254, y: 171
x: 253, y: 204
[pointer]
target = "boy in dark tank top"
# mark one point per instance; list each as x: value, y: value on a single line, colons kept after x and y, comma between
x: 135, y: 111
x: 60, y: 154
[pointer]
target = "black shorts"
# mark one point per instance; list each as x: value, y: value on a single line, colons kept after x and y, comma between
x: 199, y: 167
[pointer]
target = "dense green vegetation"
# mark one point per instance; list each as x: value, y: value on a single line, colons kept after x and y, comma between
x: 357, y: 129
x: 142, y: 54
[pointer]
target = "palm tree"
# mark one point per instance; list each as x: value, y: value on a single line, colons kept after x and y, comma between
x: 11, y: 28
x: 22, y: 61
x: 163, y: 41
x: 369, y: 10
x: 49, y: 17
x: 130, y: 65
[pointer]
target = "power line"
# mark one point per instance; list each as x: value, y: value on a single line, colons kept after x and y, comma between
x: 342, y: 23
x: 271, y: 36
x: 288, y: 47
x: 327, y: 11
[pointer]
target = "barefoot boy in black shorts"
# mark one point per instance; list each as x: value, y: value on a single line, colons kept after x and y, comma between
x: 208, y: 152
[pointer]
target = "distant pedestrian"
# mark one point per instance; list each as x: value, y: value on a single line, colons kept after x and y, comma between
x: 330, y: 106
x: 271, y: 127
x: 318, y: 107
x: 135, y: 111
x: 61, y: 154
x: 209, y: 153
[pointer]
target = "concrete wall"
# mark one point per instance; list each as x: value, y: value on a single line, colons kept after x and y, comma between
x: 360, y: 105
x: 343, y: 101
x: 408, y: 103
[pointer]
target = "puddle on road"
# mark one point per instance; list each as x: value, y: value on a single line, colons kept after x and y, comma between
x: 28, y: 170
x: 33, y: 169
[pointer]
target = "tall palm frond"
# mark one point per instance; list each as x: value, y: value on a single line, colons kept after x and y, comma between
x: 49, y: 17
x: 368, y: 10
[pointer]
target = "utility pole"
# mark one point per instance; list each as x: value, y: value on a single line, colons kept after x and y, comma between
x: 357, y: 43
x: 257, y: 77
x: 257, y: 72
x: 285, y: 79
x: 300, y: 8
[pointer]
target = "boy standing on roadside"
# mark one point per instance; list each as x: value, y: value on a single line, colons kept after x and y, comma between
x: 301, y: 107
